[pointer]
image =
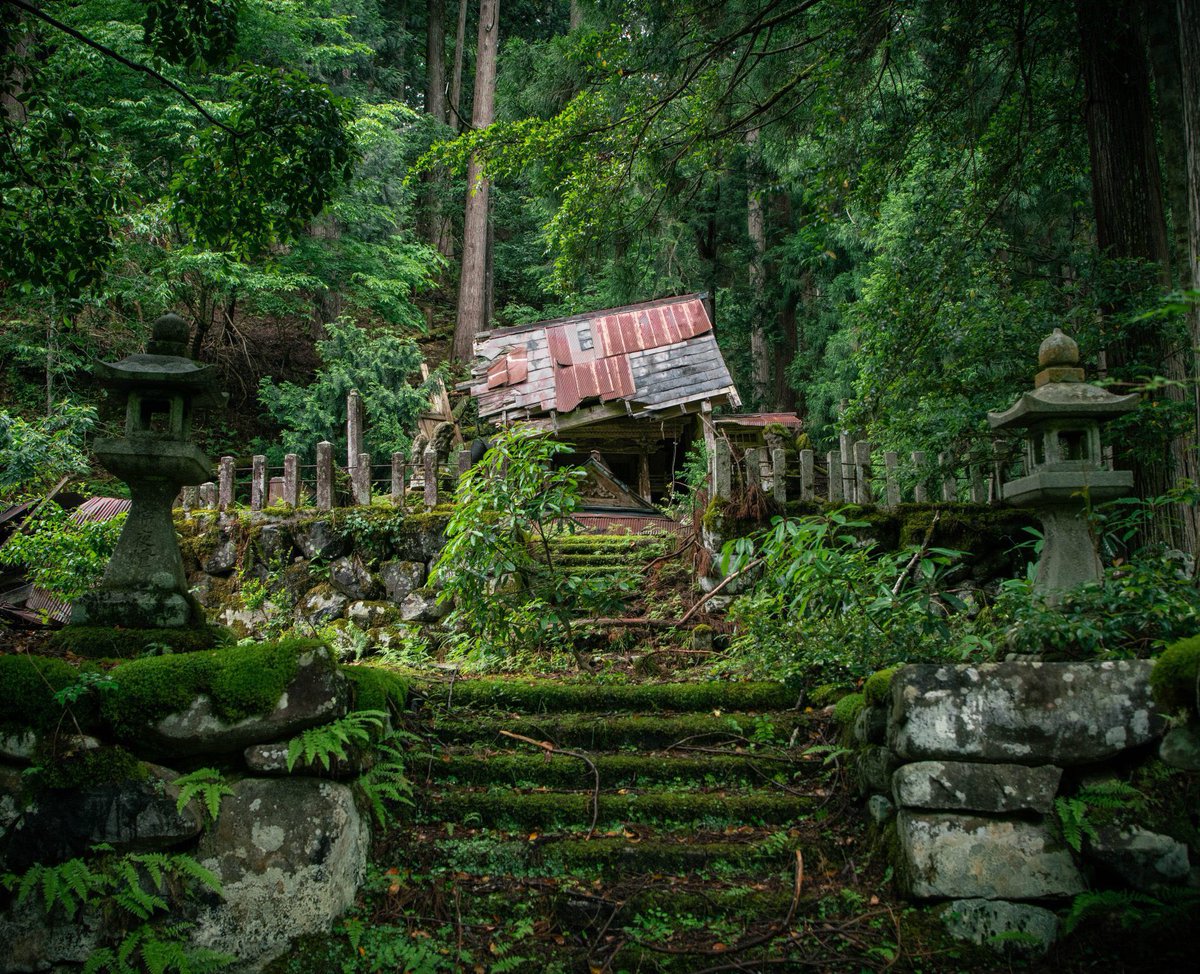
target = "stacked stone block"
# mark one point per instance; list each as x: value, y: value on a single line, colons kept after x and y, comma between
x: 970, y: 760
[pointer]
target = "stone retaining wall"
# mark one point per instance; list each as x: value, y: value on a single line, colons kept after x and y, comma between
x: 359, y: 567
x: 966, y: 764
x: 289, y: 849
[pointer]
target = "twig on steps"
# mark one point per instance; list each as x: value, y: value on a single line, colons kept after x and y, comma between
x: 550, y: 749
x: 776, y: 929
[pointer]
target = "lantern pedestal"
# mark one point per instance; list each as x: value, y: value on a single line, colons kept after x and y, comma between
x: 144, y: 585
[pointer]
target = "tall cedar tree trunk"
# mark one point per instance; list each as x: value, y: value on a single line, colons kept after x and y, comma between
x: 473, y: 282
x: 435, y: 105
x: 460, y: 40
x: 1188, y: 12
x: 756, y: 227
x: 1130, y: 223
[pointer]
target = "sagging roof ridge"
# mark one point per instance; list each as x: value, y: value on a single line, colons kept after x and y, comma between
x: 585, y: 315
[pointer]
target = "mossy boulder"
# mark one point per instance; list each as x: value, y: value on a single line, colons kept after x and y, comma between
x: 104, y: 642
x: 1175, y: 679
x: 376, y: 688
x: 223, y: 700
x: 846, y: 710
x: 878, y: 688
x: 104, y: 795
x: 28, y: 685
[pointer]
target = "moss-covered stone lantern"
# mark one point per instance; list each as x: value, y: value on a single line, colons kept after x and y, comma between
x: 1065, y: 471
x: 144, y: 584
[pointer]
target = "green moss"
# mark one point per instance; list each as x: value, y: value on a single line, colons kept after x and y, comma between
x: 828, y: 693
x: 27, y: 688
x: 240, y: 680
x: 560, y: 696
x: 101, y: 642
x: 606, y: 732
x: 878, y: 688
x: 87, y: 769
x: 846, y: 710
x: 542, y: 810
x: 377, y: 688
x: 1174, y: 679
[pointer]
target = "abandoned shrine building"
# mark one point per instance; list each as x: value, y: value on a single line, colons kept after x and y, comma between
x: 630, y: 388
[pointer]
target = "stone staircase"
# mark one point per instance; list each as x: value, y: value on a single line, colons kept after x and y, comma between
x: 585, y: 555
x: 583, y: 826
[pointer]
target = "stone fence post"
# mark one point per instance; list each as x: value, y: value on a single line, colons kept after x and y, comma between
x: 325, y: 476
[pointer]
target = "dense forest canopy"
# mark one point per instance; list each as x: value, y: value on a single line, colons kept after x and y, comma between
x: 889, y: 204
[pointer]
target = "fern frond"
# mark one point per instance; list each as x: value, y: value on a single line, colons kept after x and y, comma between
x: 320, y: 744
x: 1128, y: 906
x: 205, y: 783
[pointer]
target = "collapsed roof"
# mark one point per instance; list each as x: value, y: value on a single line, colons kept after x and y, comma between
x: 650, y: 360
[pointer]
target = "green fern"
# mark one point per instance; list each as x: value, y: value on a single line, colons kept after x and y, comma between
x: 69, y: 885
x: 1128, y: 907
x: 149, y: 950
x: 321, y: 744
x: 386, y: 781
x: 1074, y: 813
x: 205, y: 783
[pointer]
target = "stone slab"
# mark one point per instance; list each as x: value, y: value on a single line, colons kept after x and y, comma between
x: 1023, y: 712
x: 290, y: 854
x: 948, y: 856
x: 994, y: 922
x: 1141, y: 858
x: 966, y: 786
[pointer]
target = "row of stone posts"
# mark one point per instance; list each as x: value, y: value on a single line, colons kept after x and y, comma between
x: 287, y: 490
x: 851, y: 477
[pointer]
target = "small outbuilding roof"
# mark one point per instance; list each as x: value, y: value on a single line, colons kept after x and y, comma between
x: 647, y: 360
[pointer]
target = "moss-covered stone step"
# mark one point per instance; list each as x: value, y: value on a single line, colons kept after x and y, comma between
x: 616, y: 770
x: 628, y: 853
x: 542, y: 810
x: 604, y: 733
x: 537, y: 696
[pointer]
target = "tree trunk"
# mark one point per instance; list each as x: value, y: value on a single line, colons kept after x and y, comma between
x: 473, y: 282
x: 576, y: 15
x: 1188, y: 12
x: 435, y: 105
x: 756, y: 227
x: 1131, y: 226
x: 435, y: 61
x: 460, y: 39
x: 1162, y: 29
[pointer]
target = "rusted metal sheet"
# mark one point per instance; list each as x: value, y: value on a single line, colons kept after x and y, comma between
x: 643, y: 354
x: 92, y: 510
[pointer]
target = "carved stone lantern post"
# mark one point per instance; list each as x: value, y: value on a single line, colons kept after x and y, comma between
x: 144, y: 584
x: 1064, y: 463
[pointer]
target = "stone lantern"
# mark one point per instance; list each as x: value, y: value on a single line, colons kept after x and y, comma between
x: 1064, y: 464
x: 144, y: 584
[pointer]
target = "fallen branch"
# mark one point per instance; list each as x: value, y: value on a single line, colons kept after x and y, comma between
x: 771, y: 934
x: 917, y: 555
x: 550, y: 749
x: 725, y: 581
x: 673, y: 623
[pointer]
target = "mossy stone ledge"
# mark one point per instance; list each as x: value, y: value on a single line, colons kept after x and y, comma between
x: 223, y: 700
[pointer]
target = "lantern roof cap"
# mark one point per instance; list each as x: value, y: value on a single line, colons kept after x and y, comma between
x: 164, y: 365
x: 1062, y: 400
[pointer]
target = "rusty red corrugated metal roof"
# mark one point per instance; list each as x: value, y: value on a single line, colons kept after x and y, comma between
x: 654, y: 356
x: 92, y: 510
